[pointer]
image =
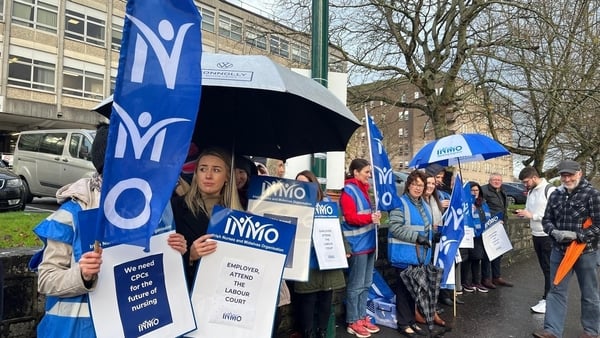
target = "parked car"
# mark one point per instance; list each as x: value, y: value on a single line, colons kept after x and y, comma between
x: 12, y: 191
x: 49, y: 159
x: 516, y: 193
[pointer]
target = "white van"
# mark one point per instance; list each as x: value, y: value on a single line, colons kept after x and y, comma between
x: 49, y: 159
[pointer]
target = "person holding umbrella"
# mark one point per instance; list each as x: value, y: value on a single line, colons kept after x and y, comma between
x: 359, y: 230
x: 410, y: 225
x: 567, y: 209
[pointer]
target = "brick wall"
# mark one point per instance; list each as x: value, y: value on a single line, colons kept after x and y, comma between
x: 23, y: 306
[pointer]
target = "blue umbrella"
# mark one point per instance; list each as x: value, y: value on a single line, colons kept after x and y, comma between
x: 456, y: 149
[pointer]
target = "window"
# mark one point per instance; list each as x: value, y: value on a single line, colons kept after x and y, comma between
x: 1, y: 9
x: 81, y: 25
x: 37, y: 14
x: 230, y: 27
x: 279, y: 46
x: 53, y: 143
x: 300, y: 53
x: 28, y: 73
x: 256, y: 38
x: 82, y: 80
x: 80, y: 147
x: 113, y: 80
x: 208, y: 19
x: 116, y: 34
x: 417, y: 94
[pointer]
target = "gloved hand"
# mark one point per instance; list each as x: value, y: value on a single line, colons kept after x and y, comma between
x: 423, y: 240
x: 437, y: 236
x: 564, y: 236
x: 584, y: 236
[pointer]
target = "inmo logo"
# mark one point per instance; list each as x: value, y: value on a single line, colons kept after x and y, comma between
x: 280, y: 189
x: 246, y: 228
x: 324, y: 209
x: 449, y: 150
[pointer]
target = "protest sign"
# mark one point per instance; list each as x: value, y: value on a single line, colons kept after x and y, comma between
x: 235, y: 292
x: 327, y: 237
x: 292, y: 202
x: 495, y: 239
x: 141, y: 293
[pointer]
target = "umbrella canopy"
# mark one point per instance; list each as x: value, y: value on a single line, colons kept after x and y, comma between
x: 423, y: 283
x: 459, y: 148
x: 257, y: 107
x: 572, y: 253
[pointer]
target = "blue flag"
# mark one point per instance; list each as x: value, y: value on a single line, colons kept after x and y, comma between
x: 156, y: 101
x: 453, y: 230
x: 383, y: 175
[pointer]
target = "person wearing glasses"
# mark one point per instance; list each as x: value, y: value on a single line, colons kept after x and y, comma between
x: 410, y: 225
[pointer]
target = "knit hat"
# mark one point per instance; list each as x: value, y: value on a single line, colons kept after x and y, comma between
x: 434, y: 169
x: 99, y: 147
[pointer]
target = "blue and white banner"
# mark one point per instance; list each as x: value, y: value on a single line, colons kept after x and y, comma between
x: 452, y: 231
x: 236, y: 288
x: 383, y: 175
x: 156, y: 100
x: 292, y: 202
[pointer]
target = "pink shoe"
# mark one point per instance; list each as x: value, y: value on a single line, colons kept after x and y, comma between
x: 358, y: 329
x: 366, y: 322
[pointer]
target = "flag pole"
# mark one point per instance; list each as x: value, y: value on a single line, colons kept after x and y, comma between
x: 371, y: 159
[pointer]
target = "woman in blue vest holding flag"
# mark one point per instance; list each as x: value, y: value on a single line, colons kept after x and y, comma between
x: 359, y: 229
x: 409, y: 234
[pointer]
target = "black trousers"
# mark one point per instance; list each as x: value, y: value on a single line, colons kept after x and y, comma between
x: 405, y: 303
x: 543, y: 247
x: 314, y: 310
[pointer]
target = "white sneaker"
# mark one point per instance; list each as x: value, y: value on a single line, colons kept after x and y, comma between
x: 540, y: 307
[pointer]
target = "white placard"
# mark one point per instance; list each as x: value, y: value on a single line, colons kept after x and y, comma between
x: 142, y: 294
x: 496, y: 241
x: 327, y: 237
x: 467, y: 241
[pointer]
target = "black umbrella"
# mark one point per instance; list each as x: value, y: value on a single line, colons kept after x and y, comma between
x: 423, y: 283
x: 257, y: 107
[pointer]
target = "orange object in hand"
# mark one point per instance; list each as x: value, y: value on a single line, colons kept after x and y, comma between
x: 571, y: 255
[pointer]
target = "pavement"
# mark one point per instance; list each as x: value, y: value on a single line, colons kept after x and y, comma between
x: 503, y: 312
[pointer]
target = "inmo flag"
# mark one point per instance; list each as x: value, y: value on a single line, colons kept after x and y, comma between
x: 156, y: 100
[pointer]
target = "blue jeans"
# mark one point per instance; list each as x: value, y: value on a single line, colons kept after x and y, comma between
x: 556, y: 300
x: 360, y: 278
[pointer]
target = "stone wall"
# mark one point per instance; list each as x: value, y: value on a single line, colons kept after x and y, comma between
x: 23, y: 306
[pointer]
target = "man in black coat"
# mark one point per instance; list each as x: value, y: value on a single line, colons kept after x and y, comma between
x: 496, y: 200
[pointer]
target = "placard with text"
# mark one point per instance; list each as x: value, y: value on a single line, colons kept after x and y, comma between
x: 236, y: 289
x: 292, y: 202
x: 142, y: 294
x: 327, y: 237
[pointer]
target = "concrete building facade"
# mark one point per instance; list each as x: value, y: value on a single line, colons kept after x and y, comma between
x: 59, y: 58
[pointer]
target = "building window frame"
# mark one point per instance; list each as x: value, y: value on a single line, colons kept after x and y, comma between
x: 300, y: 53
x: 83, y: 80
x: 279, y: 46
x: 230, y: 27
x: 116, y: 34
x: 37, y: 14
x: 85, y: 25
x: 256, y: 37
x: 31, y: 73
x: 208, y: 18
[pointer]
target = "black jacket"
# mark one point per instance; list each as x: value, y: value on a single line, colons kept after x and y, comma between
x: 496, y: 200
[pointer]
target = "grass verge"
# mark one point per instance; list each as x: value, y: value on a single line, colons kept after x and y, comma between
x: 16, y: 229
